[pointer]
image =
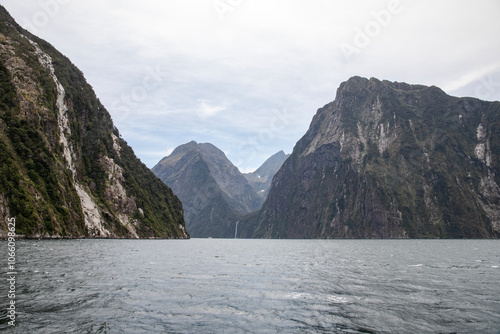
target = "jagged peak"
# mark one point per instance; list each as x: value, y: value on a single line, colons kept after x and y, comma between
x: 201, y: 148
x: 271, y: 165
x: 204, y: 151
x: 392, y: 160
x: 183, y: 149
x: 357, y: 83
x: 279, y: 154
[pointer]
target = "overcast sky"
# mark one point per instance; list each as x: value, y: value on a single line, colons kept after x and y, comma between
x: 249, y: 75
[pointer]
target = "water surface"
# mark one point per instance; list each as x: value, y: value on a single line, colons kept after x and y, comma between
x: 256, y: 286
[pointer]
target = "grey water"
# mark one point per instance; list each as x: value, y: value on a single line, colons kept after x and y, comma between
x: 255, y: 286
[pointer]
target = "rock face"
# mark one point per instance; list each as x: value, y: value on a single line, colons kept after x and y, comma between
x: 389, y: 160
x: 64, y: 170
x: 260, y: 180
x: 213, y: 191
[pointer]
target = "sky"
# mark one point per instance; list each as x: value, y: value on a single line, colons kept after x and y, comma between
x: 249, y: 75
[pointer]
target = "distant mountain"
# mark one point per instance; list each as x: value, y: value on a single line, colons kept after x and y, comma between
x: 213, y: 191
x: 260, y: 180
x: 64, y: 170
x: 389, y: 160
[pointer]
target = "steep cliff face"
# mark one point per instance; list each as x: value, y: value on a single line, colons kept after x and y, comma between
x: 214, y: 192
x: 64, y: 170
x: 389, y: 160
x: 260, y: 180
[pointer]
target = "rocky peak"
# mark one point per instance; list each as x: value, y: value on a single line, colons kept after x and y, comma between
x: 261, y: 178
x: 212, y: 189
x: 389, y: 159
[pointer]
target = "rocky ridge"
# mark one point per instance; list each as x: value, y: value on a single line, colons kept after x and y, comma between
x: 260, y: 179
x: 389, y: 160
x: 65, y: 171
x: 214, y: 193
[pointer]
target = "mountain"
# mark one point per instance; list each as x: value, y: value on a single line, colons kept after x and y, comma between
x: 64, y: 170
x: 260, y: 180
x: 389, y: 160
x: 213, y: 191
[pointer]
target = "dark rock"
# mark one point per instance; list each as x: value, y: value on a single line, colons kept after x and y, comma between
x: 213, y: 191
x: 389, y: 160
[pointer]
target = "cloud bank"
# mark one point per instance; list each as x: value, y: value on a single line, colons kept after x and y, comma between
x: 248, y: 76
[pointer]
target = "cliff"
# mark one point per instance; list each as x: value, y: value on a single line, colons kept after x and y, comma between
x: 64, y: 169
x: 389, y: 160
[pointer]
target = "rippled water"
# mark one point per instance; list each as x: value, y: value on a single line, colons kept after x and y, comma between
x: 256, y: 286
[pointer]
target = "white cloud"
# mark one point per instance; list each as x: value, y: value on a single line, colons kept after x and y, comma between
x: 205, y: 110
x: 470, y: 77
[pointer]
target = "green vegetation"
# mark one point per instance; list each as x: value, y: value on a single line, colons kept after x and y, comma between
x: 29, y: 176
x: 34, y: 179
x: 158, y: 202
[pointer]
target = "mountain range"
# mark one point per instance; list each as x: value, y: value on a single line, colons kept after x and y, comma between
x: 382, y: 160
x: 260, y: 179
x: 389, y: 160
x: 215, y: 194
x: 65, y: 171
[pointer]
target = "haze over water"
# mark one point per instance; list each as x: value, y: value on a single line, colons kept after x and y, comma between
x: 257, y: 286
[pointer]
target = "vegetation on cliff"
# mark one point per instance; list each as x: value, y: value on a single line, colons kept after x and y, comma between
x: 64, y: 170
x: 389, y: 160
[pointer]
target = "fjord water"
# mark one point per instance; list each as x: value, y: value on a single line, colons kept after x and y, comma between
x: 256, y: 286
